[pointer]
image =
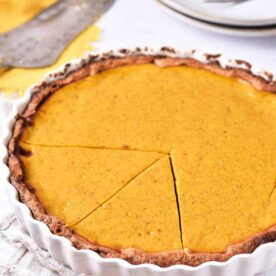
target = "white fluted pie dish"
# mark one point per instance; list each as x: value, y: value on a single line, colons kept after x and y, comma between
x: 89, y: 262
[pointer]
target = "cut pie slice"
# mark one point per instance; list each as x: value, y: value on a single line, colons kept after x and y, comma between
x: 151, y: 225
x: 70, y: 182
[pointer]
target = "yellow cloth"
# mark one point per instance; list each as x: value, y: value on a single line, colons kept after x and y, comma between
x: 12, y: 14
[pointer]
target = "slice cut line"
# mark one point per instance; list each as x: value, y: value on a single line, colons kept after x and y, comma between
x: 76, y: 176
x: 128, y: 219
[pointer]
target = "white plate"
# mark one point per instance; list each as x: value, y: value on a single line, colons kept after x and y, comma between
x: 242, y: 31
x: 250, y: 13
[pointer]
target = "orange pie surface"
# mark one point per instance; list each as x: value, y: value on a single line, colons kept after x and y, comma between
x: 156, y: 158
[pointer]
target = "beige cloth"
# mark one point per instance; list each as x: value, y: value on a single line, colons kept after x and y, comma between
x: 28, y: 259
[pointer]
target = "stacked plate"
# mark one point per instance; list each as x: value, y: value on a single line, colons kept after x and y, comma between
x: 238, y: 17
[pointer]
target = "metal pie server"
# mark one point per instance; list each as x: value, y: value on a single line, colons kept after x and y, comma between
x: 40, y: 41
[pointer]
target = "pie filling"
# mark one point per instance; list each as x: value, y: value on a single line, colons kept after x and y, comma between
x: 156, y: 158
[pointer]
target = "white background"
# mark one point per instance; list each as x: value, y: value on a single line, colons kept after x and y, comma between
x: 143, y: 23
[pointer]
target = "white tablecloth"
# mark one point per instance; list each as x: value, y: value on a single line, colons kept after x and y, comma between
x: 143, y: 23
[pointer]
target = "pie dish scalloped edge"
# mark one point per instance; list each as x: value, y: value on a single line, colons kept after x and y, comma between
x: 89, y: 262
